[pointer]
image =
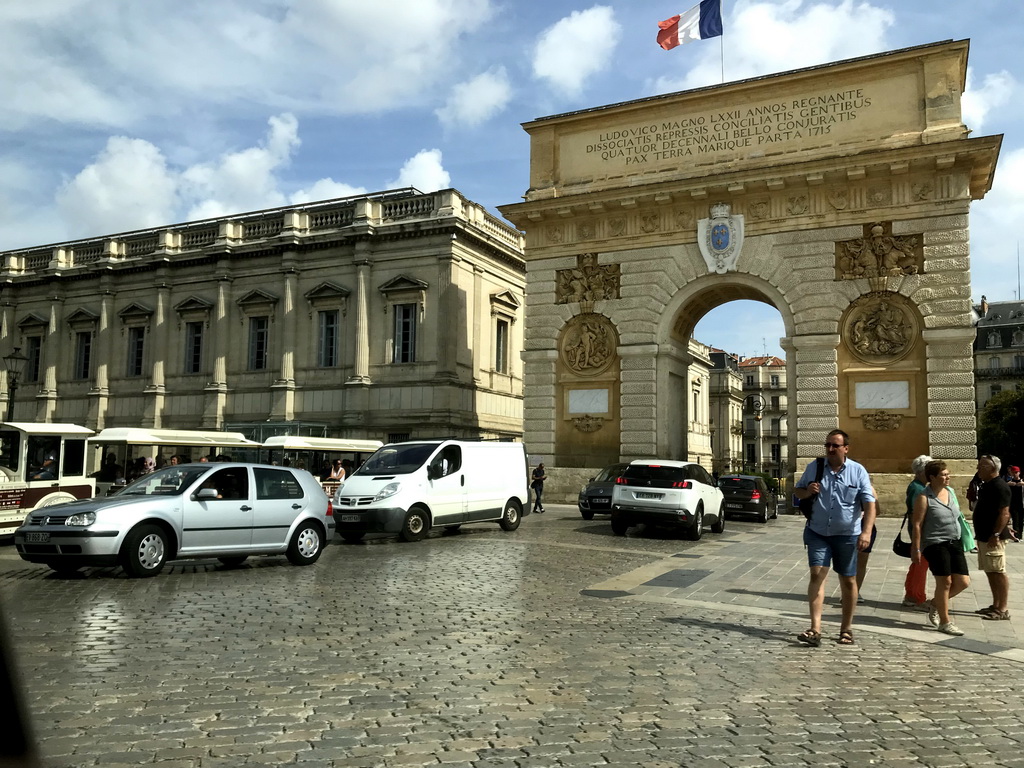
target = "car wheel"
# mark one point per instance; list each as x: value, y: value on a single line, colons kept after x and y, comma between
x: 233, y: 562
x: 586, y: 514
x: 415, y: 526
x: 144, y: 551
x: 306, y: 544
x: 719, y: 525
x: 510, y: 518
x: 619, y: 527
x: 353, y: 537
x: 762, y: 516
x: 64, y: 569
x: 696, y: 529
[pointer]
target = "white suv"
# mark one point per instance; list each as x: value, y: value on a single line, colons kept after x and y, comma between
x: 678, y: 494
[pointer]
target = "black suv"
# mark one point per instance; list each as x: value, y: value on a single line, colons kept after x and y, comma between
x: 596, y: 496
x: 748, y: 495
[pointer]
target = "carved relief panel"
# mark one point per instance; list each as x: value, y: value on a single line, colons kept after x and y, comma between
x: 880, y: 328
x: 879, y: 254
x: 587, y: 281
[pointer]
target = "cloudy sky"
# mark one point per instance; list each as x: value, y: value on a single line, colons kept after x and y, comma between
x: 121, y: 115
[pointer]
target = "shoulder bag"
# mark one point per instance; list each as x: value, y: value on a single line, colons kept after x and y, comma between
x: 807, y: 505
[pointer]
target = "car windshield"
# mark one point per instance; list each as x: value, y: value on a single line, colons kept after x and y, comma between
x: 737, y: 483
x: 397, y: 459
x: 608, y: 474
x: 169, y: 481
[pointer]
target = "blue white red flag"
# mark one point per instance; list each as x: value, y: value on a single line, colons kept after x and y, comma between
x: 699, y: 23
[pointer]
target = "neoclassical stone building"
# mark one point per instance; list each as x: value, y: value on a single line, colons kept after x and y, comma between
x: 382, y: 316
x: 838, y: 194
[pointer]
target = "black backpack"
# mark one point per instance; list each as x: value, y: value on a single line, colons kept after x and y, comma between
x: 807, y: 505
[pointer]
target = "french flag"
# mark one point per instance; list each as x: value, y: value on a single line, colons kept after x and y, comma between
x: 699, y: 23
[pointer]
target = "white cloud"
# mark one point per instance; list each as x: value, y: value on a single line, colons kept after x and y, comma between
x: 476, y: 101
x: 119, y: 65
x: 996, y: 91
x: 423, y: 171
x: 765, y: 37
x: 128, y: 186
x: 576, y: 47
x: 325, y: 189
x: 243, y: 180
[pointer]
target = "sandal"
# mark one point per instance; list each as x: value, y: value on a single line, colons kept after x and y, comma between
x: 845, y: 637
x: 811, y: 637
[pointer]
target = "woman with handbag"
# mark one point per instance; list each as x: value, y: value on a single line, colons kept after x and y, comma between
x: 935, y: 534
x: 917, y: 574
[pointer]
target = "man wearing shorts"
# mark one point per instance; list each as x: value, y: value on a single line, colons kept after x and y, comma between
x: 991, y: 515
x: 839, y: 527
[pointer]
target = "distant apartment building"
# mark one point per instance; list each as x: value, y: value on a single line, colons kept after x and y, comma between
x: 765, y: 414
x: 386, y: 316
x: 998, y: 349
x: 726, y: 420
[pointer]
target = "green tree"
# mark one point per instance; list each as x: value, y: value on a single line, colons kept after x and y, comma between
x: 1001, y: 427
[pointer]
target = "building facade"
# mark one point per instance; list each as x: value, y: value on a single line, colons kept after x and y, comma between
x: 998, y: 349
x: 385, y: 316
x: 765, y: 415
x: 726, y: 420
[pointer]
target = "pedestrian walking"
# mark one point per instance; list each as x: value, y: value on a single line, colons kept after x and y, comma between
x: 1016, y: 483
x: 842, y: 517
x: 935, y: 536
x: 917, y: 574
x: 991, y: 516
x: 538, y: 487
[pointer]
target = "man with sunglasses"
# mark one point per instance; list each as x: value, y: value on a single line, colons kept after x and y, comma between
x: 839, y: 527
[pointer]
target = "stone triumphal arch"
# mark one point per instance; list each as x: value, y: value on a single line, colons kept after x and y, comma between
x: 840, y: 194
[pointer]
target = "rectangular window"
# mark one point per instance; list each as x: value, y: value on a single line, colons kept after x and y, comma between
x: 136, y: 351
x: 398, y: 437
x: 750, y: 381
x: 327, y: 339
x: 1018, y: 361
x: 995, y: 390
x: 775, y: 381
x: 993, y: 362
x: 259, y: 337
x: 775, y: 402
x: 750, y: 453
x: 34, y: 353
x: 501, y: 346
x: 776, y: 452
x: 405, y: 334
x: 194, y: 347
x: 83, y: 355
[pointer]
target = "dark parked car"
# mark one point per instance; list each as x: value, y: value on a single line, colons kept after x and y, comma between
x: 596, y: 496
x: 748, y: 495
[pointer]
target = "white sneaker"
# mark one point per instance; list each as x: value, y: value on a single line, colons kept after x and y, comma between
x: 933, y: 616
x: 950, y: 628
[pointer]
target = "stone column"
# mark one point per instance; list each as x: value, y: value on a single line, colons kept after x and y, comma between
x: 54, y: 351
x: 952, y: 424
x: 361, y: 362
x: 159, y: 343
x: 817, y: 402
x: 217, y: 389
x: 104, y: 353
x: 284, y: 386
x: 639, y: 401
x: 447, y: 314
x: 539, y: 404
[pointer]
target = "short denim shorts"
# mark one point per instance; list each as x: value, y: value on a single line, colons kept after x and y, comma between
x: 836, y: 552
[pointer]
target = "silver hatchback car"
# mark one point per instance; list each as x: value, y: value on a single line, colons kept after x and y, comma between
x: 226, y: 511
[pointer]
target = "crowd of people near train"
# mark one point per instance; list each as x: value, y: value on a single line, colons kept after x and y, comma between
x: 841, y: 506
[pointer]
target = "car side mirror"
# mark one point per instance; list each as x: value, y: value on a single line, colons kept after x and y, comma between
x: 433, y: 472
x: 205, y: 494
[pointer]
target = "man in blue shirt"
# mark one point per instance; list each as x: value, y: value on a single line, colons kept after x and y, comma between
x: 839, y: 527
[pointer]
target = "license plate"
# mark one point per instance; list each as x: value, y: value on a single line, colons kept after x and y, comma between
x: 600, y: 502
x: 350, y: 518
x: 648, y: 495
x: 37, y: 538
x: 734, y: 506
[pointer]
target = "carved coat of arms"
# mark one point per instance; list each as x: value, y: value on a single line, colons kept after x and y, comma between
x: 720, y: 239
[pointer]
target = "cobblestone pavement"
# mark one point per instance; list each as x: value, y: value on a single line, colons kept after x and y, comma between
x: 556, y: 645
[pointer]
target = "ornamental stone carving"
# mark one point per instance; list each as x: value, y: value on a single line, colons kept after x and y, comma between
x: 881, y: 421
x: 588, y: 344
x: 587, y: 281
x: 880, y: 328
x: 879, y: 254
x: 587, y: 423
x: 720, y: 239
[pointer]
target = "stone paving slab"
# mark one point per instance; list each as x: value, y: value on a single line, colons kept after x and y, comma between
x: 557, y: 645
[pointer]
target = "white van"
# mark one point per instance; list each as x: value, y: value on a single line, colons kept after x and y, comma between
x: 409, y: 488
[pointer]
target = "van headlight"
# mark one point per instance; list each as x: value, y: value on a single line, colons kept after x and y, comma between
x: 387, y: 491
x: 81, y: 519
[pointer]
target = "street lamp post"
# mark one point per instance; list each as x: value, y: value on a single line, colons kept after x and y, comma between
x: 757, y: 404
x: 15, y: 364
